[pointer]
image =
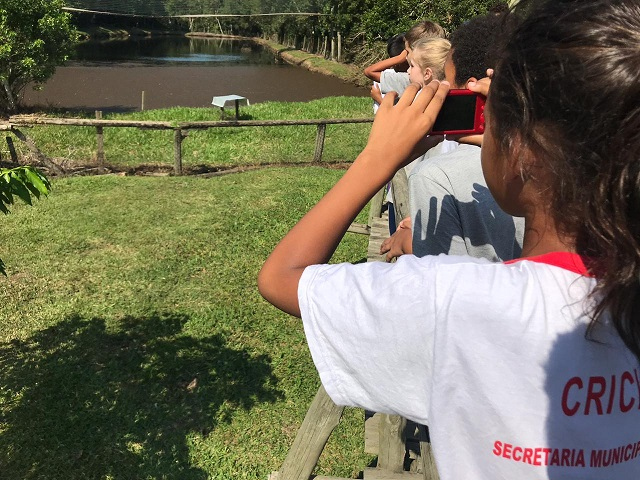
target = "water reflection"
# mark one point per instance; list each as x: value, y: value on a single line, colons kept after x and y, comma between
x: 178, y: 72
x: 168, y: 50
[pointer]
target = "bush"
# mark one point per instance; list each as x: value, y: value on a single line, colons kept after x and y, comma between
x: 35, y: 37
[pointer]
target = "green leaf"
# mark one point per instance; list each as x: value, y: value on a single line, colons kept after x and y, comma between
x: 38, y: 180
x: 19, y: 188
x: 6, y: 198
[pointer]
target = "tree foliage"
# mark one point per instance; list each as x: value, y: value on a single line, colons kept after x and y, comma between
x: 35, y: 37
x: 21, y: 183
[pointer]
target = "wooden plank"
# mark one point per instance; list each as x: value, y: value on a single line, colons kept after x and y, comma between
x: 371, y: 433
x: 321, y: 418
x: 177, y: 151
x: 359, y: 228
x: 375, y: 205
x: 320, y: 136
x: 379, y: 233
x: 88, y: 122
x: 12, y: 150
x: 41, y: 157
x: 275, y: 476
x: 400, y: 194
x: 377, y: 474
x: 391, y: 448
x: 100, y: 142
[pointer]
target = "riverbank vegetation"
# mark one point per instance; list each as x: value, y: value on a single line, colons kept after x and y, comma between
x: 348, y: 31
x: 216, y: 148
x: 129, y: 344
x: 35, y: 37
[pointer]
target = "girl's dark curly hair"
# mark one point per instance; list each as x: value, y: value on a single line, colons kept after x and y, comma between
x: 567, y: 87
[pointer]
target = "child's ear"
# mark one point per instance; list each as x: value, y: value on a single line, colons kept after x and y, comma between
x: 428, y: 75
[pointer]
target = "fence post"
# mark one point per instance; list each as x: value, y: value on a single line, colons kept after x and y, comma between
x: 100, y: 142
x: 391, y: 448
x: 321, y: 419
x: 317, y: 155
x: 177, y: 150
x: 12, y: 150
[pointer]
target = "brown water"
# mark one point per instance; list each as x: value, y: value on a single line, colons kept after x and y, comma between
x: 179, y: 72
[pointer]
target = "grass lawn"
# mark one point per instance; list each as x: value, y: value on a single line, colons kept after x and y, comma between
x: 134, y: 343
x: 219, y: 147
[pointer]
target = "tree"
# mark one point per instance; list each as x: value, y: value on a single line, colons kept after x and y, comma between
x: 21, y: 182
x: 35, y: 37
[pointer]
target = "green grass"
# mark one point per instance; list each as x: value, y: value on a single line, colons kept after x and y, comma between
x: 219, y: 147
x: 134, y: 343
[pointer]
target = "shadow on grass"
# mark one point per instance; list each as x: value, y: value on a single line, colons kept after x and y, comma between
x: 79, y: 400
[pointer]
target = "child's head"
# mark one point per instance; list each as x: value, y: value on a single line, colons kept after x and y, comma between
x: 473, y: 49
x: 426, y: 61
x: 564, y: 108
x: 395, y: 45
x: 424, y: 29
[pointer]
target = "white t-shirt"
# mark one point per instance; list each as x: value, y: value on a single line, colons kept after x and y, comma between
x: 392, y: 81
x: 491, y: 356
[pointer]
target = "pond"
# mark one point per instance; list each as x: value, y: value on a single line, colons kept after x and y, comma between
x: 178, y: 72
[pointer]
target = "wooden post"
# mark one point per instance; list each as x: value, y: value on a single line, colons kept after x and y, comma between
x: 142, y: 102
x: 375, y: 210
x: 41, y: 157
x: 99, y: 142
x: 391, y: 449
x: 12, y: 150
x: 339, y: 46
x: 317, y: 155
x: 400, y: 193
x: 429, y: 471
x: 177, y: 151
x: 321, y: 418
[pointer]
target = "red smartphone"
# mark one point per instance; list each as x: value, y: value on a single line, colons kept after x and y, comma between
x: 461, y: 113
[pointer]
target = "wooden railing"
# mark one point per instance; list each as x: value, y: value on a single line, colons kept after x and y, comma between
x: 180, y: 130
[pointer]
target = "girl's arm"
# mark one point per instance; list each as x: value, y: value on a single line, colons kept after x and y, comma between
x: 373, y: 71
x: 398, y: 135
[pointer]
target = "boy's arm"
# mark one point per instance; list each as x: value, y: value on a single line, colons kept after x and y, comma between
x: 376, y: 95
x: 373, y: 71
x: 398, y: 135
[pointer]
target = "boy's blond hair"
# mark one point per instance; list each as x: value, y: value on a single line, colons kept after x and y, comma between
x: 424, y: 29
x: 431, y: 53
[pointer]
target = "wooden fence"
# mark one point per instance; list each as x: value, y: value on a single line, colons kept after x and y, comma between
x: 180, y: 131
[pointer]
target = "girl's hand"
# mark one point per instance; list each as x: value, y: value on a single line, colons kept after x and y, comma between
x: 482, y: 87
x: 399, y: 133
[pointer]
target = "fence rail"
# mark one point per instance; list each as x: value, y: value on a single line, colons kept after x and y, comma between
x: 179, y: 128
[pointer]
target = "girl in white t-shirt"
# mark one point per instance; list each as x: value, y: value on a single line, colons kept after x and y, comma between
x: 522, y: 370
